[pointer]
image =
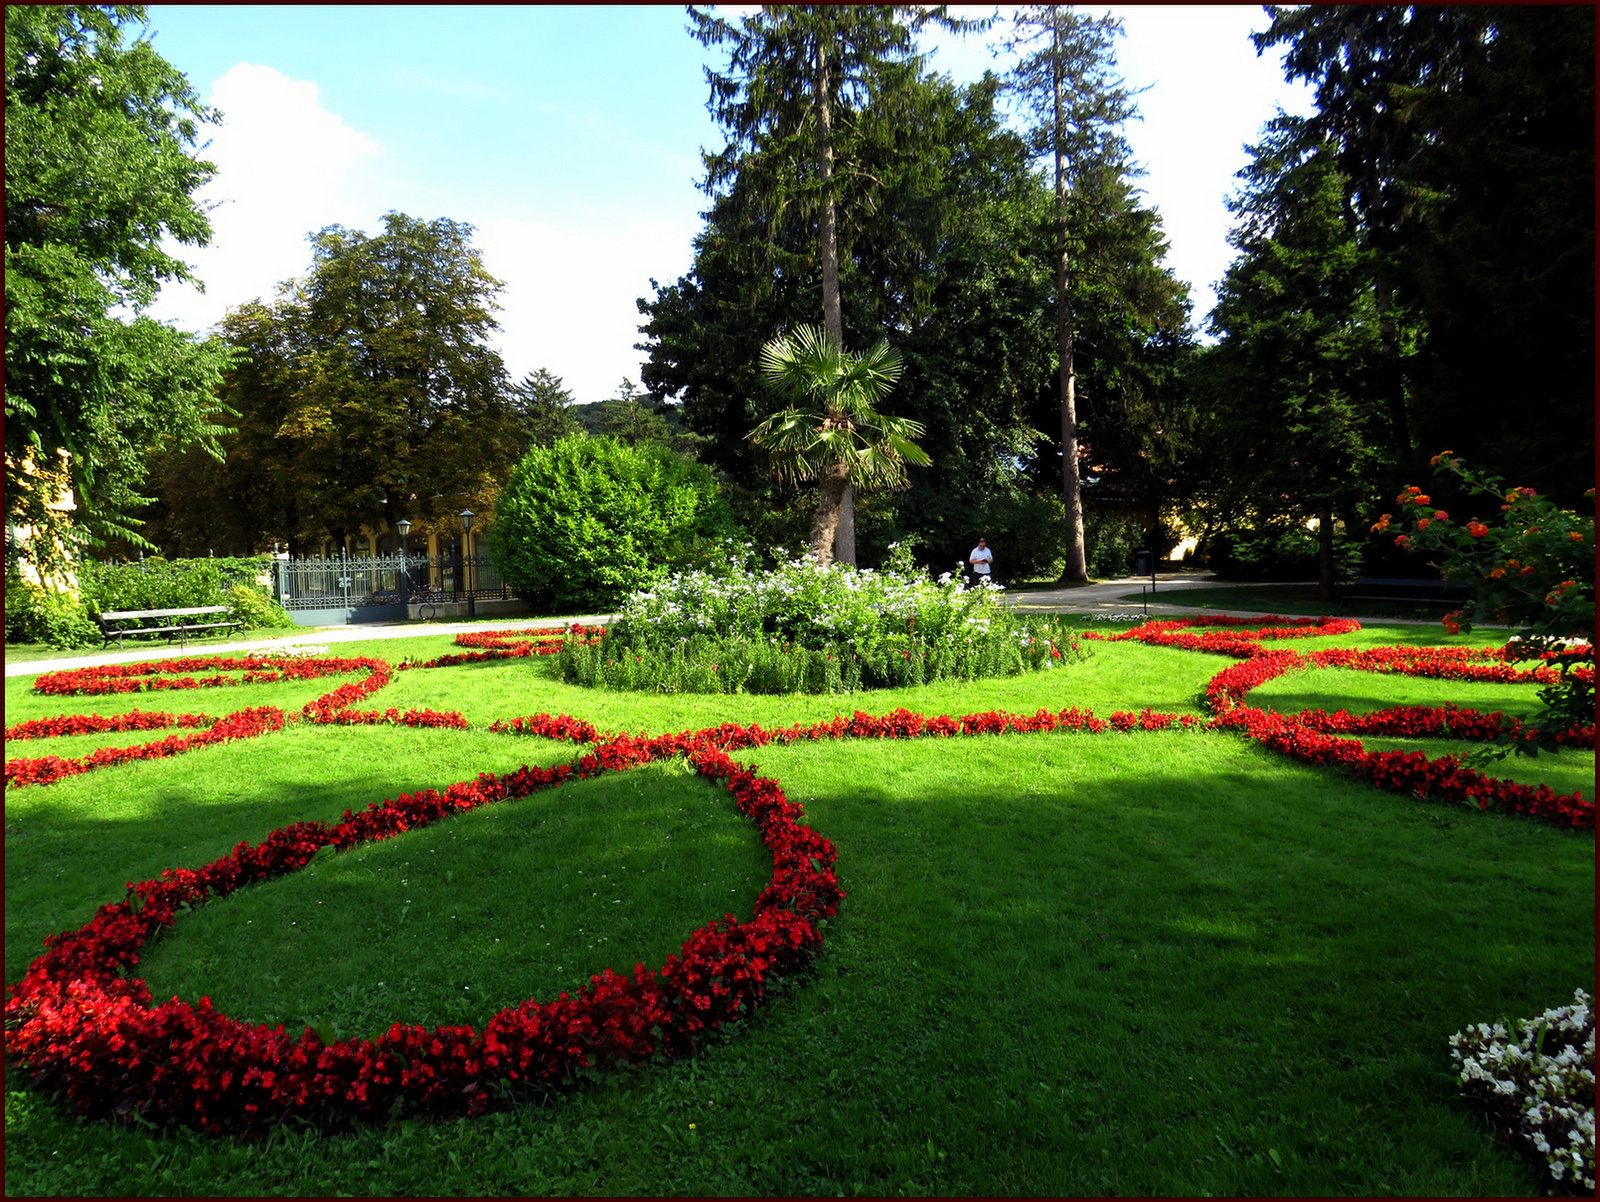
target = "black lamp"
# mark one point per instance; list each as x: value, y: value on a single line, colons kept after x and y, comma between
x: 466, y: 529
x: 403, y: 528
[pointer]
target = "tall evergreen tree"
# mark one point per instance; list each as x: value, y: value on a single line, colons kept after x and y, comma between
x: 800, y: 80
x: 936, y: 262
x: 1066, y: 78
x: 1465, y: 135
x: 543, y: 408
x: 1295, y: 421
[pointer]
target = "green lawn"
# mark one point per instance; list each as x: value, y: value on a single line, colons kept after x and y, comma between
x: 1142, y: 963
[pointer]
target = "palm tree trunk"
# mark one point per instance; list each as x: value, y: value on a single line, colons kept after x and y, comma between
x: 830, y: 502
x: 843, y: 548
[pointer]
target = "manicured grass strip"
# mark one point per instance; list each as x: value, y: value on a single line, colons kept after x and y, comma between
x: 81, y: 1024
x: 1293, y: 950
x: 74, y: 845
x: 453, y: 922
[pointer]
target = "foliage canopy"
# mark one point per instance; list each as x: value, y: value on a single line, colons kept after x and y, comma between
x: 100, y: 170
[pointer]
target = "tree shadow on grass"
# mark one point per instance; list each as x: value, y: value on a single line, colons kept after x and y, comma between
x: 73, y: 846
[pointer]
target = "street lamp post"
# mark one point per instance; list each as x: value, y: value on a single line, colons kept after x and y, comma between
x: 403, y: 528
x: 466, y: 545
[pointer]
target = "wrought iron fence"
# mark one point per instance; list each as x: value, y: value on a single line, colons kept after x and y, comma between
x: 381, y: 581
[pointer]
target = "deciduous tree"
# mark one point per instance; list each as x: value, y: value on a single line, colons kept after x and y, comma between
x: 370, y: 391
x: 101, y: 170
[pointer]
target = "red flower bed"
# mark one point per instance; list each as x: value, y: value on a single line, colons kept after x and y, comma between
x: 87, y: 724
x: 1310, y: 736
x: 510, y: 644
x: 153, y: 675
x: 245, y: 724
x: 333, y: 708
x: 79, y: 1023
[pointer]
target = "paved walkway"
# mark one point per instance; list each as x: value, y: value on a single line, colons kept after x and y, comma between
x: 1101, y: 599
x: 303, y: 637
x: 1105, y: 598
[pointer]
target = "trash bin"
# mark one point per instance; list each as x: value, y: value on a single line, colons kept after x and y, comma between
x: 1144, y: 563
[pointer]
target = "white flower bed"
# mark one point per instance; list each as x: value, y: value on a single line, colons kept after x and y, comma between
x: 1538, y: 1082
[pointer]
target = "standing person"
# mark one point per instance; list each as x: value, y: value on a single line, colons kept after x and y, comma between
x: 980, y: 562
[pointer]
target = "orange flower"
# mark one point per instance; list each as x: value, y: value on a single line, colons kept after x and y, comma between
x: 1434, y: 462
x: 1381, y: 524
x: 1575, y: 536
x: 1496, y: 573
x: 1528, y: 571
x: 1402, y: 542
x: 1477, y: 529
x: 1421, y: 498
x: 1422, y: 523
x: 1440, y: 515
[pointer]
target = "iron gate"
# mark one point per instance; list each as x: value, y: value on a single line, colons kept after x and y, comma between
x: 382, y: 588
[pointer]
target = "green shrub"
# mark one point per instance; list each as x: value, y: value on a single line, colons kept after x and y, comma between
x: 1110, y: 539
x: 255, y: 609
x: 803, y: 628
x: 1027, y: 533
x: 38, y: 615
x: 586, y: 520
x: 157, y: 583
x: 1276, y: 552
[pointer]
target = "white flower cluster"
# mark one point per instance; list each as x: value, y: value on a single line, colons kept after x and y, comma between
x: 1539, y: 1082
x: 295, y: 652
x: 800, y: 595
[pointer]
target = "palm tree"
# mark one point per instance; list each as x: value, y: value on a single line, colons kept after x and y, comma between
x: 830, y: 431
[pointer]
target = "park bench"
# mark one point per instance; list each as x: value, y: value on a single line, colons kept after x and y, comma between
x: 161, y: 621
x: 1404, y: 591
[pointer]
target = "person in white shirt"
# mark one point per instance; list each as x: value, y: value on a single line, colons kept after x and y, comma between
x: 980, y: 561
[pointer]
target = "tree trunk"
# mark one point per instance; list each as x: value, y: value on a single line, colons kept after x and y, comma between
x: 1076, y: 569
x: 843, y: 546
x: 844, y: 542
x: 825, y: 522
x: 1325, y: 554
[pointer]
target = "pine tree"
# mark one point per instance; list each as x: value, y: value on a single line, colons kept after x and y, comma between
x: 1066, y: 77
x: 801, y: 79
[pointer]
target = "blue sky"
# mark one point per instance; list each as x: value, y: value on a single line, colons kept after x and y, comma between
x: 571, y: 137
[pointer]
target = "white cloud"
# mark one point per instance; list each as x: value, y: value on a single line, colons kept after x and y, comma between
x: 285, y: 166
x: 570, y: 289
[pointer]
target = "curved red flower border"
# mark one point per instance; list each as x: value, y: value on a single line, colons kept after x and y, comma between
x: 81, y: 1024
x: 1310, y: 736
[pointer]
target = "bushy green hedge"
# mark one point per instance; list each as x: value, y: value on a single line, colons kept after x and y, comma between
x: 50, y: 619
x: 584, y: 521
x: 60, y: 620
x: 803, y: 628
